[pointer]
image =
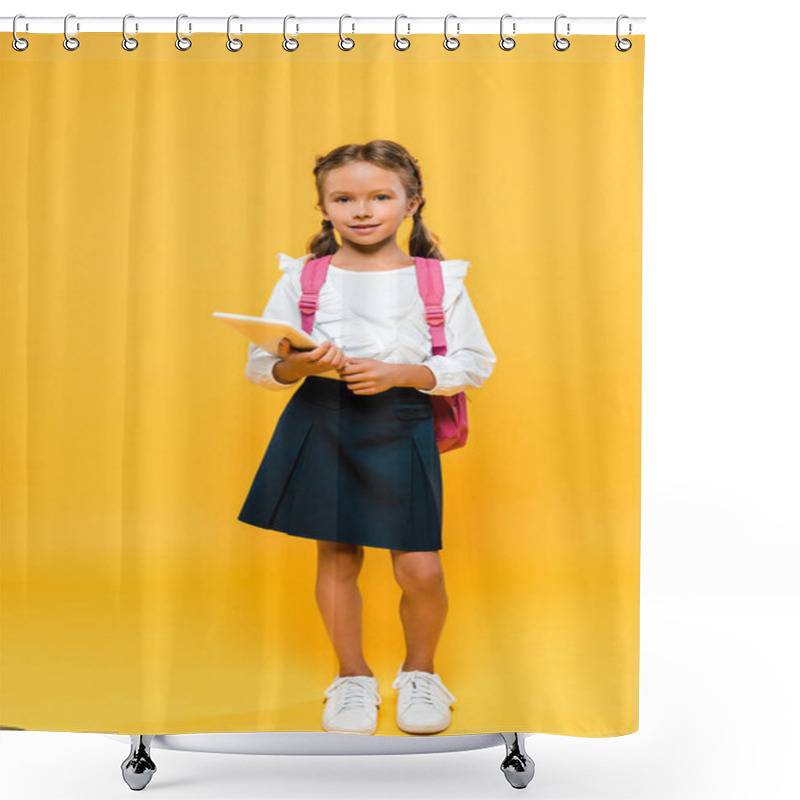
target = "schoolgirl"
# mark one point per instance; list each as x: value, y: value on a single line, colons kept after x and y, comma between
x: 353, y: 461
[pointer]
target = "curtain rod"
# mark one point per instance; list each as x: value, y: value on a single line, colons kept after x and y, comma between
x: 407, y: 26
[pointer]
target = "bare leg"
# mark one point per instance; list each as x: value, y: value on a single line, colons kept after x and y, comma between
x: 339, y: 601
x: 423, y: 606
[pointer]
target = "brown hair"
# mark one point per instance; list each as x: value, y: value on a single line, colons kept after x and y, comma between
x: 388, y: 155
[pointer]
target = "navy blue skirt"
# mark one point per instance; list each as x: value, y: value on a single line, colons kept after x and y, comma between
x: 357, y: 469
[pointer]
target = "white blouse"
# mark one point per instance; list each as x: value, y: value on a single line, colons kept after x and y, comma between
x: 381, y: 315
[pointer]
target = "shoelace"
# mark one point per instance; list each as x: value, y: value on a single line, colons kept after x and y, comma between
x: 422, y: 687
x: 356, y: 694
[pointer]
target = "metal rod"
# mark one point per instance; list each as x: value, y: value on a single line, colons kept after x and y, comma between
x: 602, y: 26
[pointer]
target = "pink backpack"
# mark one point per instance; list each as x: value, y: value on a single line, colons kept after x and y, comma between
x: 449, y: 411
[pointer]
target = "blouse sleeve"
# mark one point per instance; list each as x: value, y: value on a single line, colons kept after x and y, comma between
x: 282, y: 304
x: 469, y: 359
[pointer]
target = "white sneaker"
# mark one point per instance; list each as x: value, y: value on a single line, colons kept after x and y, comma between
x: 351, y: 705
x: 423, y: 705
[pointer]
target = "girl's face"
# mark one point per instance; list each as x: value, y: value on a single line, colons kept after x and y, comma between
x: 365, y: 203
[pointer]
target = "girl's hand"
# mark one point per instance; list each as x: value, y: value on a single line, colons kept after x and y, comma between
x: 368, y: 375
x: 311, y: 362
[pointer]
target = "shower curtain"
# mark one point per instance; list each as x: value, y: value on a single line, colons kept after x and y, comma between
x: 143, y: 191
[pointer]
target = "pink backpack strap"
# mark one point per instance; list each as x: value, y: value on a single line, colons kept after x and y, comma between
x: 315, y: 270
x: 431, y: 288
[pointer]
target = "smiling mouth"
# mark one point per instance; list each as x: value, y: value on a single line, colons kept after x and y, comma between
x: 363, y: 227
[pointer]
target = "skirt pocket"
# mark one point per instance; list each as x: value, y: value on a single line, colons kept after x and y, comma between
x: 415, y: 411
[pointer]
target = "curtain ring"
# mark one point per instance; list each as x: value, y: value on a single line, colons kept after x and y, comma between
x: 628, y: 43
x: 506, y: 42
x: 451, y: 42
x: 561, y: 43
x: 128, y: 42
x: 70, y: 42
x: 345, y: 42
x: 18, y: 43
x: 290, y: 44
x: 181, y: 42
x: 233, y: 44
x: 401, y: 43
